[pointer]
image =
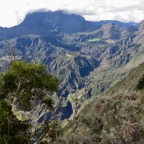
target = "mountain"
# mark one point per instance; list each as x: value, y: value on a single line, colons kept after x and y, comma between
x: 48, y: 23
x: 53, y: 23
x: 62, y: 60
x: 119, y: 23
x: 56, y: 21
x: 87, y: 59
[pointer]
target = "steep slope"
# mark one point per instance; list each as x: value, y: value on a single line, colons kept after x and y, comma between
x: 116, y: 60
x: 85, y: 67
x: 133, y: 82
x: 88, y: 60
x: 61, y: 60
x: 111, y: 117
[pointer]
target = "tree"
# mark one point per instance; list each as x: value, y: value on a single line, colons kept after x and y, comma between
x: 12, y: 131
x: 28, y: 84
x: 25, y: 86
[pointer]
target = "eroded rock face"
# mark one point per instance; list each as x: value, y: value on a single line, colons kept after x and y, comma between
x: 87, y: 59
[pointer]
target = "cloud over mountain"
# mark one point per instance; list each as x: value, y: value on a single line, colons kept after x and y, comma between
x: 13, y: 12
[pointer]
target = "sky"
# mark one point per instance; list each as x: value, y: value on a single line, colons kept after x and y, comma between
x: 13, y: 12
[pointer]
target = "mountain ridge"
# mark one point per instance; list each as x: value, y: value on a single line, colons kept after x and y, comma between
x: 53, y: 23
x: 87, y: 63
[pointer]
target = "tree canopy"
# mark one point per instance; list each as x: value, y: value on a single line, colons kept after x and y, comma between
x: 12, y: 131
x: 24, y: 86
x: 28, y: 84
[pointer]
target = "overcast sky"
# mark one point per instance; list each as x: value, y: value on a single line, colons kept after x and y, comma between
x: 12, y: 12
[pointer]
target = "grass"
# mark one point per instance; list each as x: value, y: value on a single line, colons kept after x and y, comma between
x: 127, y: 84
x: 94, y: 40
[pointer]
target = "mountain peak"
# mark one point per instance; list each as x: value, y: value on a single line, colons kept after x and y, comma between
x: 110, y: 26
x: 56, y: 21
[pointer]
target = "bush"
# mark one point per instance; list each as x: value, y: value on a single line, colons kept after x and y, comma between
x: 115, y: 119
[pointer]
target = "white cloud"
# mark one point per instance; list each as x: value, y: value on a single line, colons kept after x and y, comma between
x: 14, y: 11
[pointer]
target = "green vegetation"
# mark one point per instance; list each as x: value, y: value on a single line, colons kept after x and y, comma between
x: 94, y: 40
x: 87, y: 65
x: 109, y: 120
x: 115, y: 117
x: 22, y: 89
x: 28, y: 84
x: 12, y: 131
x: 133, y: 82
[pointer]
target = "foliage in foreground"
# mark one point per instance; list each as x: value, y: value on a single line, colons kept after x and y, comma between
x: 22, y: 88
x: 29, y: 84
x: 12, y: 131
x: 117, y: 119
